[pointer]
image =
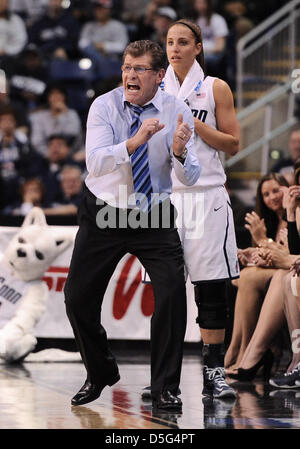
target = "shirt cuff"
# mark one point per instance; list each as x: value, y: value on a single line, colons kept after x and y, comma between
x: 121, y: 154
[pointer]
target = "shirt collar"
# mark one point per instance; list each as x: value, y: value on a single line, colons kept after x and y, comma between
x: 156, y: 100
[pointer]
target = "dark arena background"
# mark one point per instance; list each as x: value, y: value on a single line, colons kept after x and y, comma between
x: 56, y: 57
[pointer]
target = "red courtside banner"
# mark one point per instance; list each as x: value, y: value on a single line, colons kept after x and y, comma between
x: 128, y: 303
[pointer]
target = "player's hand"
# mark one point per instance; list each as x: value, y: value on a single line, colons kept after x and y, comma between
x: 181, y: 136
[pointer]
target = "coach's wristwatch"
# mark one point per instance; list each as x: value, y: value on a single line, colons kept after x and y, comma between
x: 182, y: 157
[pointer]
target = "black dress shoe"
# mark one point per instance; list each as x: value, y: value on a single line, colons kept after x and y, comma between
x: 147, y: 396
x: 89, y: 391
x: 167, y: 401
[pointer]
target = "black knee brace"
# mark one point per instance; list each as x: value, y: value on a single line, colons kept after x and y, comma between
x: 210, y: 298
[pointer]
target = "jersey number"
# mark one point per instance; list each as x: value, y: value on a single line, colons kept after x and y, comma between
x: 201, y: 115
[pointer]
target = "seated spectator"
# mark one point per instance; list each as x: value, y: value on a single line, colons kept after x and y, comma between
x: 234, y: 8
x: 29, y: 81
x: 29, y: 10
x: 31, y: 195
x: 13, y: 35
x: 163, y: 19
x: 280, y: 305
x: 133, y: 10
x: 285, y: 165
x: 82, y: 11
x: 235, y: 12
x: 16, y: 160
x: 20, y: 112
x: 57, y: 119
x: 104, y: 40
x: 268, y: 222
x: 214, y: 33
x: 71, y: 192
x: 145, y: 28
x: 58, y: 155
x: 55, y: 33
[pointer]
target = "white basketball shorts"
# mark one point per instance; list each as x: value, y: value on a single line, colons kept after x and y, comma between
x: 206, y: 229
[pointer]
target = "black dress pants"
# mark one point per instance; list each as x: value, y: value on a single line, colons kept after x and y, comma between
x: 95, y: 256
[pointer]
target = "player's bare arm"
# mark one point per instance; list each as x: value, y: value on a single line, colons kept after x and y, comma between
x: 226, y: 137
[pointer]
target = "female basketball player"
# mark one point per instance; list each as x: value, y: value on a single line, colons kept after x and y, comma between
x: 207, y: 229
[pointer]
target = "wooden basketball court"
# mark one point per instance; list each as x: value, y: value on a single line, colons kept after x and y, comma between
x: 38, y: 396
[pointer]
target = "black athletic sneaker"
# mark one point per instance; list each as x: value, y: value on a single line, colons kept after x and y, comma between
x: 287, y: 380
x: 214, y: 383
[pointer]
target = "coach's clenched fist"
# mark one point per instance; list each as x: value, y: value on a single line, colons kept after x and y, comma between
x: 148, y: 128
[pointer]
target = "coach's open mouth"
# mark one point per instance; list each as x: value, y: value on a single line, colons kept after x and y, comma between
x: 133, y: 86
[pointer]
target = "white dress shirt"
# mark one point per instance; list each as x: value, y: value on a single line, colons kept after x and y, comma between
x: 107, y: 159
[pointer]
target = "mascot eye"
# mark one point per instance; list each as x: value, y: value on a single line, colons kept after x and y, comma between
x: 21, y: 240
x: 39, y: 255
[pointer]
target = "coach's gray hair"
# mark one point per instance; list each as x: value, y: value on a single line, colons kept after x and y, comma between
x: 142, y: 47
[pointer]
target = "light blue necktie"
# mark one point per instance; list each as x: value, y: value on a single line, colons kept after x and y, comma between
x: 140, y: 165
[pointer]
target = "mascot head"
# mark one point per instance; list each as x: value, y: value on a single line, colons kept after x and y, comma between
x: 33, y: 249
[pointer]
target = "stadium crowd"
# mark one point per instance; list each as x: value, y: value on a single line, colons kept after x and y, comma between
x: 58, y: 55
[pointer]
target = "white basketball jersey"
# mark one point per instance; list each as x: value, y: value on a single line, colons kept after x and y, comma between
x: 202, y: 104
